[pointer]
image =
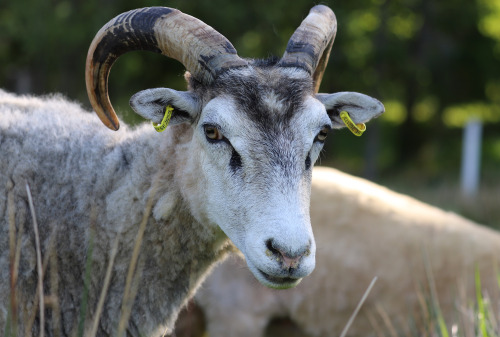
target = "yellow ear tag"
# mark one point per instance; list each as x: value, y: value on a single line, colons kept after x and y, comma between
x: 357, y: 129
x: 166, y: 119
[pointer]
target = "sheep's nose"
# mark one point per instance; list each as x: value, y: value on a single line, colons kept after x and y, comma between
x: 288, y: 259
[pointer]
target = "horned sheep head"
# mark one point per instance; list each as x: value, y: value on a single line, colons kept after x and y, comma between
x: 257, y: 127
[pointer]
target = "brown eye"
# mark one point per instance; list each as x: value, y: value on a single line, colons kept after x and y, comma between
x: 321, y: 137
x: 212, y: 133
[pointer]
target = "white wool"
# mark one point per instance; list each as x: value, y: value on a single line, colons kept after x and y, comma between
x: 362, y: 231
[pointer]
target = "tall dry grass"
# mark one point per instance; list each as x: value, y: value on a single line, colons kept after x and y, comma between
x: 472, y: 317
x: 475, y: 317
x: 46, y: 300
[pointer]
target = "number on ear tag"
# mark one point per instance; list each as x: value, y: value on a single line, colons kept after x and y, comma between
x: 356, y: 129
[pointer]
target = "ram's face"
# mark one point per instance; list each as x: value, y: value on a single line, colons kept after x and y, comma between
x: 256, y: 134
x: 258, y: 142
x: 257, y: 128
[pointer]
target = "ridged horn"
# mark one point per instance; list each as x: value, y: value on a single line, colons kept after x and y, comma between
x: 201, y: 49
x: 310, y: 45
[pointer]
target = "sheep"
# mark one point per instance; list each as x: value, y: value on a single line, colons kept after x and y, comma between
x: 232, y: 169
x: 362, y: 231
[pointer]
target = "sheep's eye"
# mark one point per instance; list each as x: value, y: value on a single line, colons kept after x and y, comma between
x: 321, y: 137
x: 212, y: 133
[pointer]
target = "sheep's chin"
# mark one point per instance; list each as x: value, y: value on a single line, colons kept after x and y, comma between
x: 274, y: 282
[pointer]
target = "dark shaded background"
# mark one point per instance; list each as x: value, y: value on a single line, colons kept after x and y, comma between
x: 434, y: 64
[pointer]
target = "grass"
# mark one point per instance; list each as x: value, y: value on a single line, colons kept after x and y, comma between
x: 44, y: 303
x: 475, y: 317
x: 358, y: 307
x: 38, y: 263
x: 86, y: 286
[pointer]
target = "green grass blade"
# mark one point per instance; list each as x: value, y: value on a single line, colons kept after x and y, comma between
x: 480, y: 306
x: 86, y: 286
x: 497, y: 272
x: 7, y: 331
x: 442, y: 324
x: 433, y: 296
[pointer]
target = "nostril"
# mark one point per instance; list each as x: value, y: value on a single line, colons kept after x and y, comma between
x: 287, y: 259
x: 270, y: 247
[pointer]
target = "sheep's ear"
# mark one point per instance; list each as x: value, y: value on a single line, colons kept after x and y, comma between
x: 151, y: 104
x: 360, y: 107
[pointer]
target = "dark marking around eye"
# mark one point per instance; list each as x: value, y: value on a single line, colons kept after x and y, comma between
x: 213, y: 134
x: 308, y: 162
x: 235, y: 161
x: 323, y: 133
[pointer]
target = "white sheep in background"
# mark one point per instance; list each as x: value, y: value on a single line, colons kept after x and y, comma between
x: 362, y: 230
x: 235, y: 163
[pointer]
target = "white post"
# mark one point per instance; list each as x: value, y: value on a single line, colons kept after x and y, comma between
x: 471, y: 158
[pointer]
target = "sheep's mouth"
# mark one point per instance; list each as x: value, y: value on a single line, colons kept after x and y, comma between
x: 280, y: 282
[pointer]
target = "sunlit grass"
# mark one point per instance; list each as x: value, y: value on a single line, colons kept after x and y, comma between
x: 472, y: 317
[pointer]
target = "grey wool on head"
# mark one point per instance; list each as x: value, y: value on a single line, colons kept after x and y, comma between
x: 231, y: 172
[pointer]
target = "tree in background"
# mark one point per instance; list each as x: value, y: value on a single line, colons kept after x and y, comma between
x: 433, y: 64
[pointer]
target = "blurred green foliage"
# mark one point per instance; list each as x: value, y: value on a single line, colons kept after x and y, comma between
x: 434, y: 64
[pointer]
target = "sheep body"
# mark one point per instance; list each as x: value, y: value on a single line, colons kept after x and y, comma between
x: 108, y: 177
x: 90, y: 185
x: 235, y: 162
x: 362, y: 230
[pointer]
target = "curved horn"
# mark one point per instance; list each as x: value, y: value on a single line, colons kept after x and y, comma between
x: 310, y: 45
x: 201, y: 49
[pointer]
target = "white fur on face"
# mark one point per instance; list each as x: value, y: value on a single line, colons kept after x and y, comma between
x: 266, y: 199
